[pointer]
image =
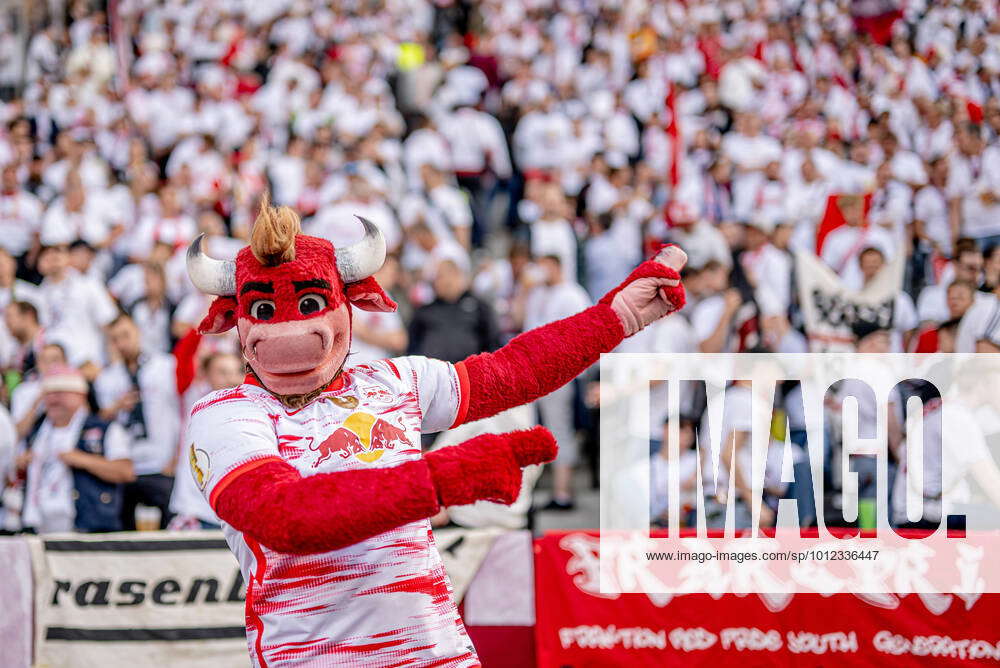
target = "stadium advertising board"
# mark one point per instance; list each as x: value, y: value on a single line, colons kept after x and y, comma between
x: 578, y: 625
x: 138, y: 599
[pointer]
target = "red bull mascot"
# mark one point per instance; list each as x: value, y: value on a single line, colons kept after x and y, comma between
x: 315, y: 468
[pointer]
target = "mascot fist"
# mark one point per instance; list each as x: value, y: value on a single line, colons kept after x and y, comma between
x: 651, y: 291
x: 488, y: 467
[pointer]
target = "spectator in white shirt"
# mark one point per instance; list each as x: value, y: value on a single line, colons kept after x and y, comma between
x: 659, y: 474
x: 477, y: 143
x: 608, y: 258
x: 12, y: 288
x: 805, y: 202
x: 77, y: 158
x: 713, y: 314
x: 704, y: 240
x: 965, y: 165
x: 428, y: 249
x: 933, y: 138
x: 760, y: 194
x: 540, y: 135
x: 449, y: 202
x: 95, y: 60
x: 981, y: 206
x: 934, y: 302
x: 620, y: 132
x: 153, y: 311
x: 980, y: 320
x: 217, y: 371
x: 906, y: 165
x: 768, y: 269
x: 26, y: 399
x: 171, y: 225
x: 425, y: 145
x: 74, y: 216
x: 747, y: 148
x: 337, y: 223
x: 43, y: 53
x: 75, y: 307
x: 891, y: 204
x: 22, y: 337
x: 843, y: 245
x: 139, y: 392
x: 20, y: 215
x: 60, y: 450
x: 376, y: 335
x: 552, y: 233
x: 735, y: 469
x: 931, y: 216
x: 288, y: 172
x: 904, y: 313
x: 740, y: 81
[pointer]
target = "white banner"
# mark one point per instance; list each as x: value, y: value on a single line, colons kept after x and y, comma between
x: 166, y: 598
x: 138, y: 599
x: 830, y: 308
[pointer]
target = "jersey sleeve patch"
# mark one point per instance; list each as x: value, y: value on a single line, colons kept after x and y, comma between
x: 230, y: 432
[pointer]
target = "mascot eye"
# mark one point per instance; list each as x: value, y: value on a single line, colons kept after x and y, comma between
x: 262, y: 309
x: 311, y: 303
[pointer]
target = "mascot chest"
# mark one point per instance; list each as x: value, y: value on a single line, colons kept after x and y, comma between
x: 365, y: 425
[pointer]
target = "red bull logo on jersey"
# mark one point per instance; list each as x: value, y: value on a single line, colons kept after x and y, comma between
x: 363, y: 436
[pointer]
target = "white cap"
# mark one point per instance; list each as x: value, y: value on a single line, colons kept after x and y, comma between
x: 64, y: 379
x: 763, y: 223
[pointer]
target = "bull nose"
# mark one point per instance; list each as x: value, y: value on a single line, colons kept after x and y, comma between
x: 290, y: 353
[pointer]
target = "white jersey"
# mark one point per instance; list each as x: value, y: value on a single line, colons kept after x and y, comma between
x: 381, y: 601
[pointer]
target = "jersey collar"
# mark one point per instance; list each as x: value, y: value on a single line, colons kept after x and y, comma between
x: 334, y: 385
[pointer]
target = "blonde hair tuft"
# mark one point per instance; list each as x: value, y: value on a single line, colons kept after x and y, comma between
x: 272, y: 240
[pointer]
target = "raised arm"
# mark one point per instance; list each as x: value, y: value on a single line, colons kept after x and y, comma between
x: 273, y: 504
x: 544, y: 359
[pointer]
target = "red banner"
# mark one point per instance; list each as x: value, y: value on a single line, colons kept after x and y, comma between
x: 578, y: 626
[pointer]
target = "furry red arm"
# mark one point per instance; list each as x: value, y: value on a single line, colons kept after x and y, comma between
x: 544, y: 359
x: 280, y: 509
x: 538, y: 361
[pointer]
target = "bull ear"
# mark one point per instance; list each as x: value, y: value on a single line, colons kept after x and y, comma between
x: 221, y: 316
x: 368, y: 295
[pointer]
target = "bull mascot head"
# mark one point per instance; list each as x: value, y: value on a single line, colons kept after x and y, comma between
x: 289, y: 296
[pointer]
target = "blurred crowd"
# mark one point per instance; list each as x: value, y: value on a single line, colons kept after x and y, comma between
x: 520, y: 157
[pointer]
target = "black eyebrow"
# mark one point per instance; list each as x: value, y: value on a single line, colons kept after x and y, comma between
x: 257, y: 286
x: 311, y: 283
